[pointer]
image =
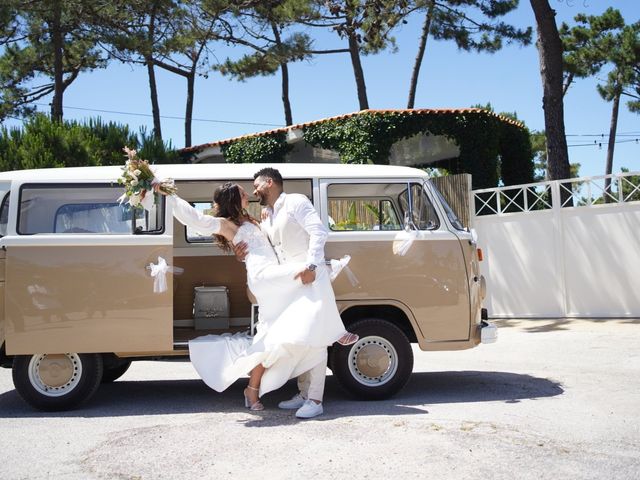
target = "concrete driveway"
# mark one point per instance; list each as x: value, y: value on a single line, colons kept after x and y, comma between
x: 551, y: 399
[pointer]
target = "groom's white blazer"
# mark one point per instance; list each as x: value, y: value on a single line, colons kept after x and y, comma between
x: 295, y: 230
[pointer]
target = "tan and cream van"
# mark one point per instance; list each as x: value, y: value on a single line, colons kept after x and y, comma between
x: 79, y: 301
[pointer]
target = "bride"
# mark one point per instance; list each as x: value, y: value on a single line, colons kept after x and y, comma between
x: 297, y: 322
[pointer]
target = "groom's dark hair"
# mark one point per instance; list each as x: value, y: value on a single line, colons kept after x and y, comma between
x: 271, y: 173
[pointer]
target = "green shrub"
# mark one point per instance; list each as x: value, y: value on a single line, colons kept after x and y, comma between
x: 41, y: 143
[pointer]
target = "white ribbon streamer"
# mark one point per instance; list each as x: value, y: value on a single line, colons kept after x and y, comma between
x: 403, y: 241
x: 339, y: 265
x: 147, y: 201
x: 159, y: 274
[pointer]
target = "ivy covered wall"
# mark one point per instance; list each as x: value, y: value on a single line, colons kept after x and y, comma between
x: 492, y: 148
x: 270, y: 148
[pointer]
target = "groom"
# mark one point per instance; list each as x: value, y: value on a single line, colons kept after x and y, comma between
x: 297, y: 235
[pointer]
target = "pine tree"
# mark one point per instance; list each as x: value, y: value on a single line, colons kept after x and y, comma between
x: 264, y: 27
x: 141, y: 32
x: 598, y: 42
x: 550, y: 53
x: 471, y: 24
x: 585, y: 46
x: 366, y: 25
x: 46, y: 46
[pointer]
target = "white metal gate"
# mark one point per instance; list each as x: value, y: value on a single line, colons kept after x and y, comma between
x: 567, y: 248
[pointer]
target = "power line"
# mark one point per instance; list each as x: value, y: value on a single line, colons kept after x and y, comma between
x: 167, y: 116
x: 602, y: 135
x: 233, y: 122
x: 599, y: 144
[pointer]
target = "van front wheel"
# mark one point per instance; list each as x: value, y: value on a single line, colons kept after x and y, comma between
x: 54, y: 382
x: 378, y: 365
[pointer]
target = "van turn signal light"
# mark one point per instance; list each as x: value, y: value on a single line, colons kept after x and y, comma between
x: 480, y: 256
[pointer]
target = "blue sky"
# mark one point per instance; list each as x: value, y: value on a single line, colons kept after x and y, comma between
x: 325, y: 87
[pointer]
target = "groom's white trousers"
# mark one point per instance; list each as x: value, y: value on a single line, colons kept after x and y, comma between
x: 311, y: 382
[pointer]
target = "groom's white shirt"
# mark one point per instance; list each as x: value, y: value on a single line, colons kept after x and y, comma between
x: 295, y: 230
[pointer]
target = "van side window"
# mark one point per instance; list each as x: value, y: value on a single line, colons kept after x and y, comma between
x: 424, y: 216
x: 65, y: 208
x: 4, y: 215
x: 363, y: 207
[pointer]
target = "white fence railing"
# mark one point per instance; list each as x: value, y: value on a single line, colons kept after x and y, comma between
x: 567, y: 248
x: 577, y: 192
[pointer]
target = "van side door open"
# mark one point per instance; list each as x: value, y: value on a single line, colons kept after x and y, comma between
x: 77, y: 276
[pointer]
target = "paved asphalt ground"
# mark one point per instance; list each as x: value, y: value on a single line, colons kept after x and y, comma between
x: 551, y: 400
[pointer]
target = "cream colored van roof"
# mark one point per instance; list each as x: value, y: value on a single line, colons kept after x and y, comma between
x: 215, y: 171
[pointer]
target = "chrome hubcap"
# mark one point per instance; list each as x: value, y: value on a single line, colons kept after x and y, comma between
x: 55, y: 375
x: 373, y: 361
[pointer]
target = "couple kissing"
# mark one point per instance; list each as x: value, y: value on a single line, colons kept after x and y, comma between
x: 286, y: 272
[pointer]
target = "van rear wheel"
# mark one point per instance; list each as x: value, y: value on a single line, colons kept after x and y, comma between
x: 378, y: 365
x: 54, y: 382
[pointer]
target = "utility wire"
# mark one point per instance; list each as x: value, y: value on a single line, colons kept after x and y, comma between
x: 166, y: 116
x: 603, y: 135
x: 233, y: 122
x: 599, y: 144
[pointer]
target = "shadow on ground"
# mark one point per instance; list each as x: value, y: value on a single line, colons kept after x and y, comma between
x: 158, y: 397
x: 540, y: 325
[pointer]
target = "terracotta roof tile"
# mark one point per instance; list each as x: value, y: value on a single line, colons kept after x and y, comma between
x: 415, y: 111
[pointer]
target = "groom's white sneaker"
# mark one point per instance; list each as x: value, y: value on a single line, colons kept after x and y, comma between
x: 310, y: 409
x: 295, y: 402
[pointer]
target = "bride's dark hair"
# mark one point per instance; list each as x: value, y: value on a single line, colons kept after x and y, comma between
x: 227, y: 203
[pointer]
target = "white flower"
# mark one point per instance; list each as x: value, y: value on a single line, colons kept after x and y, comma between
x: 137, y: 172
x: 134, y: 199
x: 134, y: 182
x: 130, y: 152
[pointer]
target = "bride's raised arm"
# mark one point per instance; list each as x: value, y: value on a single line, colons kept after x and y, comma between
x: 194, y: 218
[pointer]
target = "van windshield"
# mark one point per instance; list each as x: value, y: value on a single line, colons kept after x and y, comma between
x: 423, y: 214
x: 451, y: 215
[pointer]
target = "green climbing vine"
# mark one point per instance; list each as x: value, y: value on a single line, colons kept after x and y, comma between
x: 486, y: 141
x: 270, y: 148
x: 491, y: 147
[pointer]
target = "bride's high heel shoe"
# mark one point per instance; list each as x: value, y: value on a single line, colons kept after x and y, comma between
x: 255, y: 406
x: 348, y: 339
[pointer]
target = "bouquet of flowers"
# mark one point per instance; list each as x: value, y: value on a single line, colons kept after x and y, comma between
x: 138, y: 179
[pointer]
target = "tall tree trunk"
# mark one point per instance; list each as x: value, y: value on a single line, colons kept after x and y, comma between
x: 58, y: 80
x: 284, y: 68
x: 421, y: 48
x: 354, y: 51
x: 612, y: 143
x: 550, y: 54
x: 188, y: 116
x: 288, y: 117
x: 153, y: 88
x: 155, y: 107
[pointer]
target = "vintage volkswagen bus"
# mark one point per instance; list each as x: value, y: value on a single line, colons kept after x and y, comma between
x: 77, y: 292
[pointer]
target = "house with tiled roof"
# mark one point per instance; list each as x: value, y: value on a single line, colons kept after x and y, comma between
x: 467, y: 140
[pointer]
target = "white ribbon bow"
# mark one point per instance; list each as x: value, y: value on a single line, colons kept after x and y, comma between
x: 339, y: 265
x: 159, y: 274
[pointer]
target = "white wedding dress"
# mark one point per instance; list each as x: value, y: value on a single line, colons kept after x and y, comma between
x: 296, y: 322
